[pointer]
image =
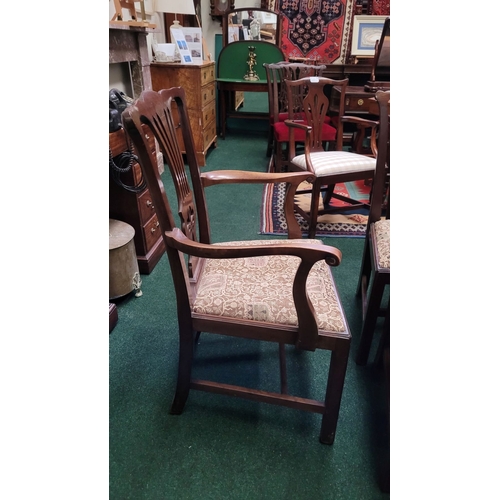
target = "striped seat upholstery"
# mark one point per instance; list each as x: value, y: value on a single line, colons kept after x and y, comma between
x: 335, y: 162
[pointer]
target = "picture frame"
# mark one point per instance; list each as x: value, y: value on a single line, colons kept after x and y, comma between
x: 182, y: 46
x: 194, y: 37
x: 366, y: 31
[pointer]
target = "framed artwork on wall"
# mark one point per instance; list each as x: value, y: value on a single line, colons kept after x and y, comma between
x: 366, y: 31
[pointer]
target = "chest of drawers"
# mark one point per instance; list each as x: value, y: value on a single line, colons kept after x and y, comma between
x: 198, y: 81
x: 136, y: 209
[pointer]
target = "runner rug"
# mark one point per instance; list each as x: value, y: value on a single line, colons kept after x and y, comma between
x: 329, y: 225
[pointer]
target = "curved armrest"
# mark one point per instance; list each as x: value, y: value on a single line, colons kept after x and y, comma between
x: 309, y: 254
x: 242, y: 177
x: 304, y: 126
x: 362, y: 122
x: 292, y: 179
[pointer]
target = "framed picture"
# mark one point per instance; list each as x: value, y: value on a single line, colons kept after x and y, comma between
x: 182, y: 46
x: 365, y: 32
x: 193, y: 37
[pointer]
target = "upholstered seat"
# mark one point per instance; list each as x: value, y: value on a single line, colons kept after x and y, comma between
x: 282, y: 133
x: 335, y: 162
x: 260, y: 289
x: 382, y: 239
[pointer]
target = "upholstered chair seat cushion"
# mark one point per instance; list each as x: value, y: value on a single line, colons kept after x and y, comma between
x: 284, y: 116
x: 335, y: 162
x: 381, y: 231
x: 282, y: 133
x: 260, y: 289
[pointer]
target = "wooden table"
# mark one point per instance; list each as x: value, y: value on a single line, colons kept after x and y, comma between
x: 227, y: 85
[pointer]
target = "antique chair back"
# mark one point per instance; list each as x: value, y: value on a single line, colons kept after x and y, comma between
x: 330, y: 165
x: 279, y: 291
x: 276, y: 74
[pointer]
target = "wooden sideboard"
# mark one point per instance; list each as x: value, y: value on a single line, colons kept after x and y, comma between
x: 136, y: 209
x: 198, y: 81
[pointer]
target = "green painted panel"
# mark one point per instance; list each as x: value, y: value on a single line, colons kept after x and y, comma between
x: 232, y: 62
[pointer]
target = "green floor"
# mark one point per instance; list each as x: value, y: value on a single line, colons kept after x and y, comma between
x: 226, y: 448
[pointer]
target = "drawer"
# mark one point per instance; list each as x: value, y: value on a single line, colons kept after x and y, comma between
x: 207, y: 114
x: 357, y: 103
x: 207, y: 93
x: 208, y: 75
x: 151, y: 232
x: 209, y: 134
x: 146, y: 207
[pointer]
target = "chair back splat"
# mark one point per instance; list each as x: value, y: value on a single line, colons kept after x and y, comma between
x: 276, y: 74
x: 279, y: 291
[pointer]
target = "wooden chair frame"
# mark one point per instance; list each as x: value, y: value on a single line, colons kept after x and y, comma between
x: 161, y: 113
x: 371, y: 273
x: 276, y: 74
x: 315, y: 102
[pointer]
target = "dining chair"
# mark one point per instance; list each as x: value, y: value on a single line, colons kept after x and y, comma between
x: 279, y: 134
x: 329, y: 167
x: 375, y: 271
x: 278, y: 291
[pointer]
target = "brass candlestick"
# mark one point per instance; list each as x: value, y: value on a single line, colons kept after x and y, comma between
x: 252, y: 62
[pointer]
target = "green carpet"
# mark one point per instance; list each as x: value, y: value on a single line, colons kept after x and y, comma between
x: 222, y: 447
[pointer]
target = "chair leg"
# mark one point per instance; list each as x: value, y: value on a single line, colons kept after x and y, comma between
x: 370, y: 320
x: 334, y: 387
x: 384, y: 340
x: 366, y: 266
x: 327, y: 196
x: 270, y: 139
x: 313, y: 211
x: 186, y: 347
x: 277, y: 157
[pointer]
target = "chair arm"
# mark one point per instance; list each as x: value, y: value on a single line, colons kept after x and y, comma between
x: 294, y: 124
x: 362, y: 122
x: 293, y: 180
x: 243, y: 177
x: 308, y: 252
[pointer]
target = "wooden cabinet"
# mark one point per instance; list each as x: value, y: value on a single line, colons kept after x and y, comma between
x: 136, y: 209
x: 198, y: 81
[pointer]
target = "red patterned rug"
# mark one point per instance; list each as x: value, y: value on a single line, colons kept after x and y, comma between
x: 315, y: 29
x: 352, y: 225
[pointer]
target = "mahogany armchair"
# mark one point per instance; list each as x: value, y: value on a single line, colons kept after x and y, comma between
x: 279, y: 134
x: 376, y: 262
x: 279, y: 291
x: 328, y: 167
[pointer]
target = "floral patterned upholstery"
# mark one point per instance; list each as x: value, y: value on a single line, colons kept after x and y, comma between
x: 382, y: 237
x: 260, y: 289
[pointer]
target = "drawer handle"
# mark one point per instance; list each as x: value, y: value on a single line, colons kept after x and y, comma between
x: 360, y: 102
x: 153, y: 229
x: 149, y: 204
